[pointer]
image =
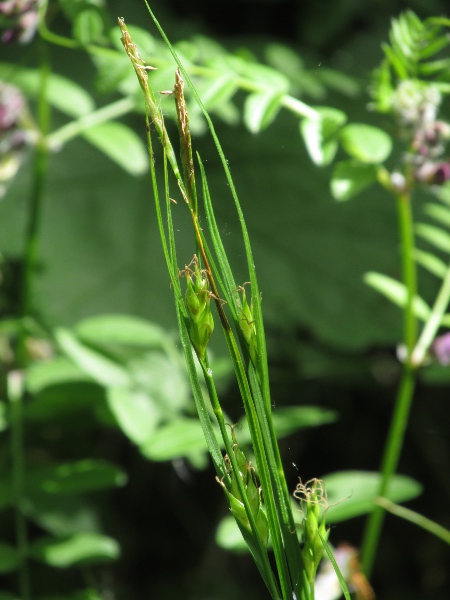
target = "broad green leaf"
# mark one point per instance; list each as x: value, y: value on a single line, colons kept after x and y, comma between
x: 352, y: 493
x: 121, y: 144
x: 121, y: 329
x: 83, y: 548
x: 9, y: 558
x: 75, y: 478
x: 52, y: 372
x: 397, y: 293
x: 351, y: 177
x: 88, y: 27
x: 266, y: 78
x: 439, y: 213
x: 435, y: 236
x: 179, y: 438
x: 62, y: 93
x: 135, y: 412
x: 103, y: 370
x: 431, y: 263
x: 320, y: 135
x: 229, y: 537
x: 366, y: 143
x: 62, y: 515
x: 260, y: 110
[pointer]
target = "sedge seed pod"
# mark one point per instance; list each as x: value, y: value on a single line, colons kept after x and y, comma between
x: 198, y: 299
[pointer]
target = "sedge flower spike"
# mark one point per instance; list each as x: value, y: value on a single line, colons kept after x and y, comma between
x: 198, y: 299
x: 313, y: 504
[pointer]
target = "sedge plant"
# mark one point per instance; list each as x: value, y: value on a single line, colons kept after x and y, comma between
x: 258, y: 495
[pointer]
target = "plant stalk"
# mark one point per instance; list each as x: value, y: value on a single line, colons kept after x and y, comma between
x: 405, y: 393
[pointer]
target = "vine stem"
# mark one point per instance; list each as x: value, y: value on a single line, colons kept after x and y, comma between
x: 405, y: 392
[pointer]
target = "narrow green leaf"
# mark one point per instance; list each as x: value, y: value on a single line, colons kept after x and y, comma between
x: 320, y: 135
x: 435, y: 236
x: 9, y: 558
x: 83, y: 548
x: 353, y: 493
x: 103, y: 370
x: 366, y: 143
x: 431, y: 263
x: 121, y: 329
x: 351, y: 177
x: 439, y: 213
x: 434, y: 47
x: 135, y: 412
x: 397, y: 293
x: 260, y: 110
x: 75, y: 478
x: 121, y: 144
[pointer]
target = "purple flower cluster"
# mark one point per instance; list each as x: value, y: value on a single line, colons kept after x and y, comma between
x: 13, y: 135
x: 21, y: 19
x: 416, y: 105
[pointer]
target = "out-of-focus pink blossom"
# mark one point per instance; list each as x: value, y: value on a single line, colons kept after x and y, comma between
x: 441, y: 348
x: 21, y: 21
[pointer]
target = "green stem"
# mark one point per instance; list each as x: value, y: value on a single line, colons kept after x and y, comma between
x: 31, y: 251
x: 74, y: 128
x: 15, y: 395
x: 405, y: 393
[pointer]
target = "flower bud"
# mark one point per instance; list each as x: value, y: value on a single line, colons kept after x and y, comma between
x: 247, y: 326
x: 198, y: 299
x: 252, y: 489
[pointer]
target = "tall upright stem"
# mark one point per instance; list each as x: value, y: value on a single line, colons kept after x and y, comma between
x: 31, y: 250
x: 394, y: 441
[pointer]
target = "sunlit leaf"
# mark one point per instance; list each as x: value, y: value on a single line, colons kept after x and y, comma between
x: 121, y: 329
x: 435, y: 236
x: 174, y: 440
x: 320, y: 135
x: 260, y: 110
x: 352, y: 493
x: 136, y: 413
x: 351, y: 177
x: 121, y: 144
x: 439, y: 213
x: 83, y: 548
x: 397, y: 293
x: 102, y: 369
x: 431, y: 263
x: 366, y: 143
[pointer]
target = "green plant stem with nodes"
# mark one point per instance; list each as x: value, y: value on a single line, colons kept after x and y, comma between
x: 403, y: 401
